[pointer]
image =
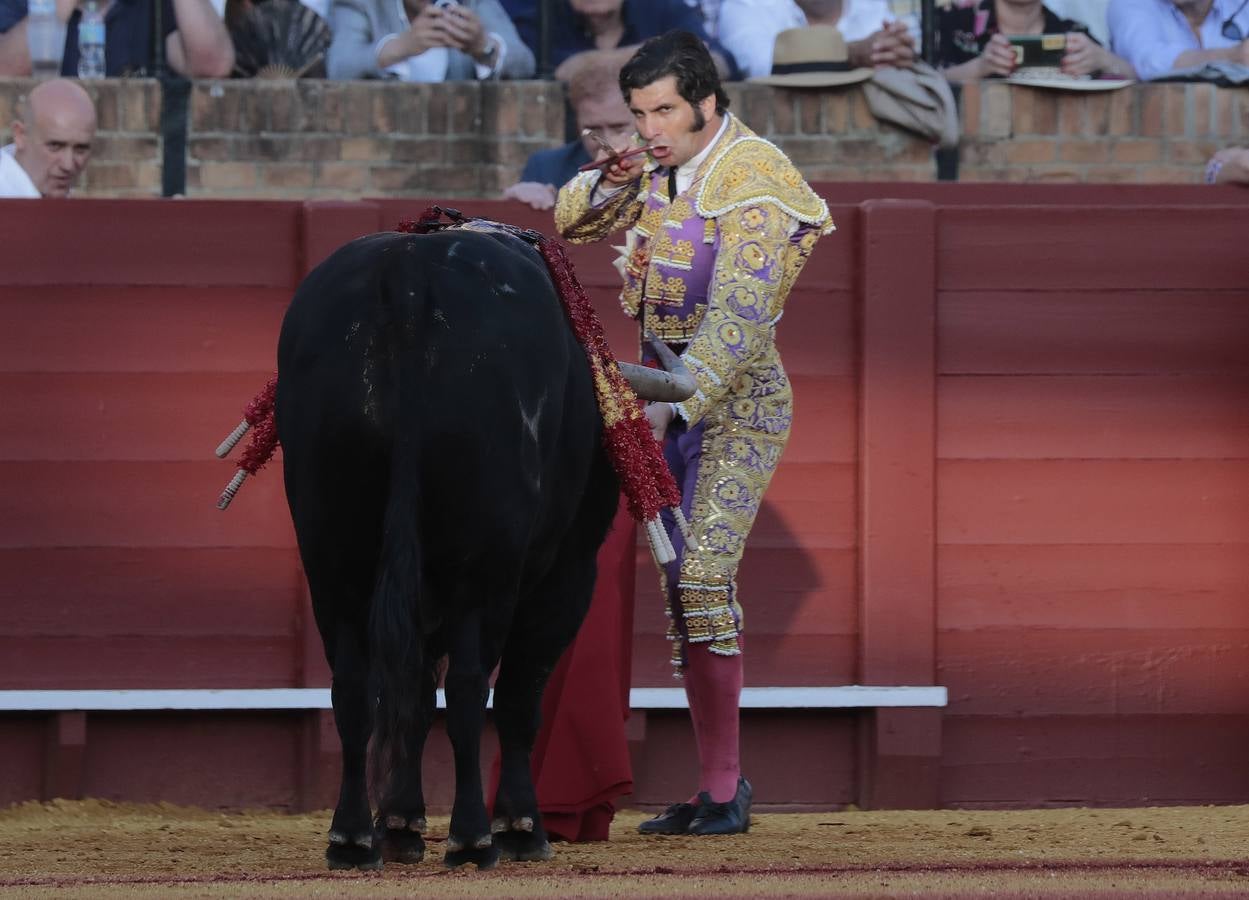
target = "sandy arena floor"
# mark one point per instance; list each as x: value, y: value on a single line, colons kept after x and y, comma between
x: 99, y: 849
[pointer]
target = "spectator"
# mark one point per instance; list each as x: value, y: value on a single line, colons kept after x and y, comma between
x: 1159, y: 36
x: 196, y: 42
x: 971, y: 40
x: 51, y: 146
x: 1230, y: 166
x: 579, y: 25
x: 425, y: 40
x: 594, y: 93
x: 748, y: 28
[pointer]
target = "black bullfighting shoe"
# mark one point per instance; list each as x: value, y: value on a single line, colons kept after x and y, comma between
x: 673, y: 820
x: 731, y: 817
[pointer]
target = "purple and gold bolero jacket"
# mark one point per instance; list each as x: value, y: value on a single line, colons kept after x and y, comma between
x: 710, y: 271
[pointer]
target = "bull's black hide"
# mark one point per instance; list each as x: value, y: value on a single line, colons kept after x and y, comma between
x: 449, y: 490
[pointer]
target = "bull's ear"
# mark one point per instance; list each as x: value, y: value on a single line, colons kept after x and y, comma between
x: 672, y: 384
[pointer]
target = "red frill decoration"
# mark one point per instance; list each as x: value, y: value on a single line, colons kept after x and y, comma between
x: 636, y: 456
x: 264, y: 430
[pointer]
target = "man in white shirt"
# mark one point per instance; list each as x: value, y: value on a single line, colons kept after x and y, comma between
x: 1158, y: 36
x: 874, y: 37
x: 52, y: 137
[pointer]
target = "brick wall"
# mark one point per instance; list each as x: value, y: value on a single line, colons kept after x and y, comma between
x: 258, y: 139
x: 347, y: 140
x: 1152, y: 133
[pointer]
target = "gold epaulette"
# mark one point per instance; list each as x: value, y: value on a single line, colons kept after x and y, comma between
x: 753, y: 170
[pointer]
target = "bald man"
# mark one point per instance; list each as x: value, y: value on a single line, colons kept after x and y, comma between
x: 51, y: 141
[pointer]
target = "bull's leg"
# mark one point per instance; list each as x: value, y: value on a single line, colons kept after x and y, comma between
x: 466, y: 686
x: 401, y: 814
x: 545, y: 624
x: 352, y: 843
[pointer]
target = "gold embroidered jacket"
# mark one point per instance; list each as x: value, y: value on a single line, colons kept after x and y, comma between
x: 709, y: 271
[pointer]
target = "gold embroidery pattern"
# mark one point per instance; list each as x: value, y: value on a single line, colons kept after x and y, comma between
x: 580, y: 222
x: 671, y: 289
x: 751, y: 266
x: 754, y: 171
x: 673, y: 328
x: 651, y: 221
x: 638, y: 265
x: 795, y: 260
x: 679, y: 255
x: 767, y: 221
x: 742, y: 445
x: 707, y: 615
x: 679, y: 211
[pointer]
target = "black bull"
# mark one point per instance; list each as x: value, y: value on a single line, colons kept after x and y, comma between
x: 449, y: 490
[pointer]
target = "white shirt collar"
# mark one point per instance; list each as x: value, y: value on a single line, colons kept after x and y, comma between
x: 685, y: 171
x: 14, y: 182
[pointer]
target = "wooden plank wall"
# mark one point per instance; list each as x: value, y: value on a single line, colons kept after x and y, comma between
x: 125, y: 353
x: 1071, y: 562
x: 1093, y: 514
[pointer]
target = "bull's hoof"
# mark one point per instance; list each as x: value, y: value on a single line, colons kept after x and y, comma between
x: 521, y: 839
x: 480, y: 851
x: 356, y: 851
x: 523, y: 846
x: 403, y: 846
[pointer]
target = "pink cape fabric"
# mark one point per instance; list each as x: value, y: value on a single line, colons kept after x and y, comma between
x: 580, y: 760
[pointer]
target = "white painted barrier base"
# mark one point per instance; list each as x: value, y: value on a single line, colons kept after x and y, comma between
x: 839, y: 697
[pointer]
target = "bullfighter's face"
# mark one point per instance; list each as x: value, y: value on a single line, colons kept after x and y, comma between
x: 678, y: 129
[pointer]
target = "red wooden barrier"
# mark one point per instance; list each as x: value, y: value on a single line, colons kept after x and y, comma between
x: 1019, y: 469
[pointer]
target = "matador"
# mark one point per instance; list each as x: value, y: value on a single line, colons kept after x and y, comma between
x: 719, y: 224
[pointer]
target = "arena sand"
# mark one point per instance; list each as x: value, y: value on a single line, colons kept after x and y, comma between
x: 99, y: 849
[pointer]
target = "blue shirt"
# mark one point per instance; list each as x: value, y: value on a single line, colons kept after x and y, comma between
x: 556, y: 166
x: 1151, y: 34
x: 127, y: 39
x: 642, y: 19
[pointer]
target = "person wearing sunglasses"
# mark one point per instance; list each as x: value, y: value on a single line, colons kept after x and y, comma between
x: 1160, y: 36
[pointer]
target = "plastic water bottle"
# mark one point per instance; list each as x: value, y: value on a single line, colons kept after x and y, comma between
x: 45, y: 36
x: 91, y: 41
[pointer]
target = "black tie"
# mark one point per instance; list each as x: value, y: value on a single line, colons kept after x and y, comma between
x: 672, y: 184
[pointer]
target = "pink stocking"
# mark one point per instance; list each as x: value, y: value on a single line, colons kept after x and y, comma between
x: 696, y: 719
x: 714, y: 689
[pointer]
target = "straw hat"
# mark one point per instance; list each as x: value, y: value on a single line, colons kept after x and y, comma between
x: 813, y: 56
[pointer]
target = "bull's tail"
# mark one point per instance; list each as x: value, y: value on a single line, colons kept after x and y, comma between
x: 397, y: 635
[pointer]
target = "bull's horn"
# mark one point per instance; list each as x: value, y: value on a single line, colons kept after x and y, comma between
x: 672, y: 384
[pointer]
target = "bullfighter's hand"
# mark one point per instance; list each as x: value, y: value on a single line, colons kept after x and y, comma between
x: 659, y: 416
x: 624, y: 171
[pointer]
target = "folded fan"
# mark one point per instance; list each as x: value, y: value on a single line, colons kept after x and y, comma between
x: 279, y: 39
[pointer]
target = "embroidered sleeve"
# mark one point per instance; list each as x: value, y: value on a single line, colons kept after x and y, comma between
x: 579, y: 221
x: 745, y: 298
